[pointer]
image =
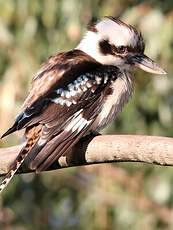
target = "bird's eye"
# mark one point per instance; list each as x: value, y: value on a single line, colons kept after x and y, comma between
x: 121, y: 49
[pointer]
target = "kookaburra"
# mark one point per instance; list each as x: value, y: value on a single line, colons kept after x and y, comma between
x: 78, y: 92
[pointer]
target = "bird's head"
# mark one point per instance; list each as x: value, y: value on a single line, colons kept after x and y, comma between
x: 112, y: 42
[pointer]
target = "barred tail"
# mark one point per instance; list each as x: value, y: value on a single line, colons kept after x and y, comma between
x: 19, y: 160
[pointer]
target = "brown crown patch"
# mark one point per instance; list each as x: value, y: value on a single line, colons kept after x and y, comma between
x: 92, y: 28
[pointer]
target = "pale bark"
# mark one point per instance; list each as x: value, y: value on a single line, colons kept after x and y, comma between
x: 104, y: 149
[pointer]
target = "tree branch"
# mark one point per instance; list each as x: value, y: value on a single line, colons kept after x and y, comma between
x: 103, y: 149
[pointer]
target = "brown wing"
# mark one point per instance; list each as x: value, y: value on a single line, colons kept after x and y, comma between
x: 58, y: 139
x: 62, y: 131
x: 65, y: 100
x: 59, y: 70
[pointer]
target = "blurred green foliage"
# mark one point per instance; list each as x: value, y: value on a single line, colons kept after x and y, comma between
x: 122, y: 196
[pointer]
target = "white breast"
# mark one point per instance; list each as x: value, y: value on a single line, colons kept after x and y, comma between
x: 122, y: 89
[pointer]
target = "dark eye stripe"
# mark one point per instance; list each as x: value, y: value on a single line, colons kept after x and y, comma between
x: 105, y: 47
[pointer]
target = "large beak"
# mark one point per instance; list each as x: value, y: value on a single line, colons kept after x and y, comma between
x: 145, y: 63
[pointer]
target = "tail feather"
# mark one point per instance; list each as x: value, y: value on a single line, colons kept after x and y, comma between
x: 19, y: 160
x: 12, y: 171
